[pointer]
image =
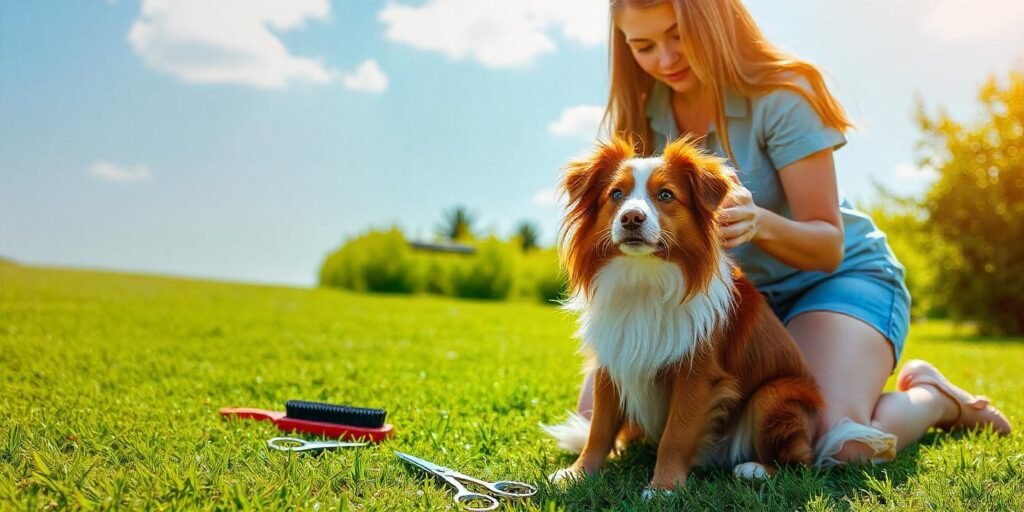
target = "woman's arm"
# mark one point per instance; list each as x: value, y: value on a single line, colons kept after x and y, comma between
x: 813, y: 239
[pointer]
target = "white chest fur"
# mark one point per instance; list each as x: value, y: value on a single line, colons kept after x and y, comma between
x: 634, y: 324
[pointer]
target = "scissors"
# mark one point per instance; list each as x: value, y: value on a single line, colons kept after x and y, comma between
x: 466, y: 498
x: 294, y: 444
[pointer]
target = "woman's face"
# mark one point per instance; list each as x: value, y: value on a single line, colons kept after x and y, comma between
x: 653, y: 37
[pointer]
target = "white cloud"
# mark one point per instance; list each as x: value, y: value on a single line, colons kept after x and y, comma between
x: 227, y: 41
x: 495, y: 33
x: 581, y: 121
x: 546, y: 197
x: 113, y: 172
x: 367, y: 78
x: 911, y: 172
x: 961, y: 20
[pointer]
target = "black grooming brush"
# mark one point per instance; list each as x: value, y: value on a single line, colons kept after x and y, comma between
x: 322, y: 419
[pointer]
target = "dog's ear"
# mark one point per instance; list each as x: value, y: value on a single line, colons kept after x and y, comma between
x: 583, y: 176
x: 712, y: 183
x: 583, y: 184
x: 710, y: 178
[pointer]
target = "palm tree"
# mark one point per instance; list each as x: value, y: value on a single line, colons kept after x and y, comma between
x: 528, y: 235
x: 457, y: 224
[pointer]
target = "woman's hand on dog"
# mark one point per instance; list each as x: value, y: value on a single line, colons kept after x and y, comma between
x: 739, y: 218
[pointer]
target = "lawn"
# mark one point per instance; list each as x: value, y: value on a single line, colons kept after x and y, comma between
x: 110, y: 385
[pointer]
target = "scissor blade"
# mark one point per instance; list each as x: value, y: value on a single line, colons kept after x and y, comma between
x: 428, y: 466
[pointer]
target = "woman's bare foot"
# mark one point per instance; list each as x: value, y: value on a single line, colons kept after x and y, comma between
x: 970, y: 412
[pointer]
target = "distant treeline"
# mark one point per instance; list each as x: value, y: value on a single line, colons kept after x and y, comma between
x: 385, y: 262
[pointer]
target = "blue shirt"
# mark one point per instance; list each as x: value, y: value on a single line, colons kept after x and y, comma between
x: 767, y: 133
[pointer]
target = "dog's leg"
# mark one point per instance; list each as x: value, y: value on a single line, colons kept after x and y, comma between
x: 606, y: 423
x: 784, y: 412
x: 631, y: 431
x: 695, y: 409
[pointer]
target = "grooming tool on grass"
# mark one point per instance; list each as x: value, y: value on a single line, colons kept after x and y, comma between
x: 294, y: 444
x: 328, y: 420
x: 465, y: 498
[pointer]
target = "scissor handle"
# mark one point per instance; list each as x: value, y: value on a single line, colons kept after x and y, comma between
x: 467, y: 500
x: 295, y: 444
x: 291, y: 444
x: 512, y: 489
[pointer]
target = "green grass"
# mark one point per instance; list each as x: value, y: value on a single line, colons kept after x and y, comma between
x: 110, y: 385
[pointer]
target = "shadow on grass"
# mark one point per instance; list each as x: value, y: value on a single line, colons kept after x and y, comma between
x: 620, y: 484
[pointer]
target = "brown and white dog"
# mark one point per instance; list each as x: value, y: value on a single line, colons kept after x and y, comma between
x: 685, y: 350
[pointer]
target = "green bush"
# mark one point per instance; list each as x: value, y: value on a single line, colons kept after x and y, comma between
x: 374, y: 262
x: 437, y: 270
x: 552, y: 288
x: 541, y: 277
x: 382, y: 261
x: 489, y: 274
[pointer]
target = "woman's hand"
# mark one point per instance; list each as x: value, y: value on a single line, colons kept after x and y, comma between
x: 738, y: 218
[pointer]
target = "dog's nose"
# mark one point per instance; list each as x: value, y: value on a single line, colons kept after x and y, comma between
x: 633, y: 219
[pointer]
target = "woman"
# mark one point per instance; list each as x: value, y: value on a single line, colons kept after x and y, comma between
x: 702, y: 67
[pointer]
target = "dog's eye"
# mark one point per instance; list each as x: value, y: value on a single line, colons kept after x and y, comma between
x: 665, y: 195
x: 617, y: 195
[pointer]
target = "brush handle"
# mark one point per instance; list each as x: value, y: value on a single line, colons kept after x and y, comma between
x: 249, y: 413
x: 317, y: 428
x: 334, y: 430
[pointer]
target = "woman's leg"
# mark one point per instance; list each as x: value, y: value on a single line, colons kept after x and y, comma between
x: 585, y: 405
x: 851, y: 361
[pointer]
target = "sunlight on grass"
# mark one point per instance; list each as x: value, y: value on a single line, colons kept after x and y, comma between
x: 110, y: 384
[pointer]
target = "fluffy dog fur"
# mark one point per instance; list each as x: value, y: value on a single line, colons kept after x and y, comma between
x: 686, y: 352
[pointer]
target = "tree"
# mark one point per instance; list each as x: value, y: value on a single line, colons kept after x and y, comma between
x: 457, y: 224
x: 528, y: 236
x: 977, y: 207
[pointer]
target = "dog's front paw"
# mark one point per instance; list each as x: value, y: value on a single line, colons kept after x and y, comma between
x: 566, y: 475
x: 750, y: 471
x: 650, y: 493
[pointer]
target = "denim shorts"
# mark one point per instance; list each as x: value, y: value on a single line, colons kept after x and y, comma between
x: 876, y: 297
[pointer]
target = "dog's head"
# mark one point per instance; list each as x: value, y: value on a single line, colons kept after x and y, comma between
x: 658, y: 207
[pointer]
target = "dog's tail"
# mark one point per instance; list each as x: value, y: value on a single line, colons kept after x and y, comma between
x: 571, y: 434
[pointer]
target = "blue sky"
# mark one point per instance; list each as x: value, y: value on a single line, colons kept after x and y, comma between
x: 245, y: 139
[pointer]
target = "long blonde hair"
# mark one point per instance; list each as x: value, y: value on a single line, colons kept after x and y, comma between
x: 726, y: 49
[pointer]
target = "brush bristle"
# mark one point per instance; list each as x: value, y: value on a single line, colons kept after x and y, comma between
x: 337, y: 414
